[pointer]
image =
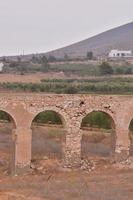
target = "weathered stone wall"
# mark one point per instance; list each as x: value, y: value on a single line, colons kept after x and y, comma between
x: 23, y: 108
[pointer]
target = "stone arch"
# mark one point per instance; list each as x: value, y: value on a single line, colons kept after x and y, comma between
x: 88, y: 111
x: 59, y: 146
x: 63, y: 116
x: 128, y: 121
x: 113, y: 127
x: 131, y: 137
x: 11, y: 116
x: 9, y: 140
x: 102, y: 111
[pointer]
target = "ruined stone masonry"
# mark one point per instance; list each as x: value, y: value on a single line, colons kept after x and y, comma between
x: 23, y: 108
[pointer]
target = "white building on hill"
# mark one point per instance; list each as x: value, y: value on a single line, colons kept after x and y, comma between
x: 120, y: 54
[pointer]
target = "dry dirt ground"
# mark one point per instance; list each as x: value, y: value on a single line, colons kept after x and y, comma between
x: 37, y: 77
x: 48, y: 180
x: 29, y: 78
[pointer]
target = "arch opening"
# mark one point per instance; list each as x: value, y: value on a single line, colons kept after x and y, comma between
x: 131, y: 138
x: 48, y: 137
x: 98, y: 135
x: 7, y: 145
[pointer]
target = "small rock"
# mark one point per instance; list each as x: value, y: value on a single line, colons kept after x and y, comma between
x: 40, y: 168
x: 32, y: 166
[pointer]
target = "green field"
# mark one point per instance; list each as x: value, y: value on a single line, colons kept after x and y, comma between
x: 106, y: 85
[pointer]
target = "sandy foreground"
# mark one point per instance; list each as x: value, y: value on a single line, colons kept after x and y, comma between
x: 48, y: 180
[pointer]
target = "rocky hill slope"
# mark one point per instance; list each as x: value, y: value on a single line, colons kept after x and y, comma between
x: 117, y: 38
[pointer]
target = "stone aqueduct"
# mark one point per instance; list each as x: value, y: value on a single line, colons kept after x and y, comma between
x: 23, y: 108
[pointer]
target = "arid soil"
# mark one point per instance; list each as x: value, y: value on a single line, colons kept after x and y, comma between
x: 48, y: 180
x: 37, y: 77
x: 103, y: 184
x: 28, y: 78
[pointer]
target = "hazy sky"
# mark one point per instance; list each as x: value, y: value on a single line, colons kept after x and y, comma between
x: 42, y: 25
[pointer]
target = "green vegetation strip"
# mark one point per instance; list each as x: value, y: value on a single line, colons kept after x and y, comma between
x: 106, y: 85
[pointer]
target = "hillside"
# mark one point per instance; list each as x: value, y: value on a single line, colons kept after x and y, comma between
x: 117, y: 38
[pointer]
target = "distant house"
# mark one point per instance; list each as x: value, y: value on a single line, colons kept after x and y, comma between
x: 120, y: 54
